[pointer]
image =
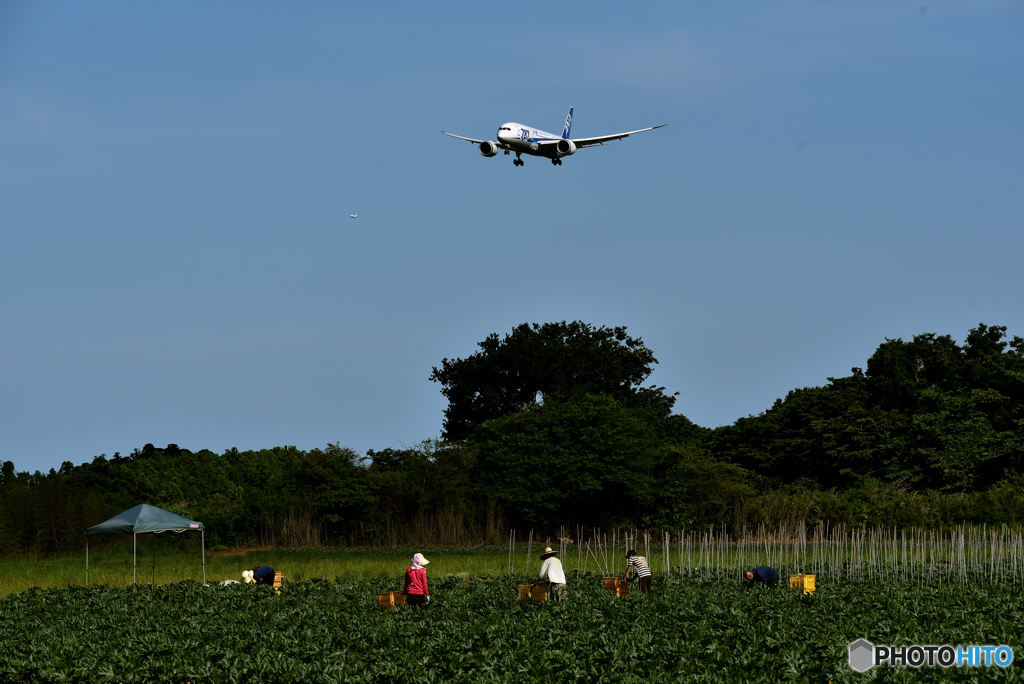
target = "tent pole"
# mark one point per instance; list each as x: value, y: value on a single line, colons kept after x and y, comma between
x: 86, y: 560
x: 202, y: 534
x: 135, y: 562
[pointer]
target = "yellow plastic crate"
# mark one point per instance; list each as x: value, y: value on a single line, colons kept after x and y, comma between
x: 616, y: 584
x: 390, y: 599
x: 805, y: 582
x: 537, y: 593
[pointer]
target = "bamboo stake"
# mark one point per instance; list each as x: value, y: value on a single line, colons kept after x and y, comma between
x: 529, y: 548
x: 579, y: 548
x: 680, y: 552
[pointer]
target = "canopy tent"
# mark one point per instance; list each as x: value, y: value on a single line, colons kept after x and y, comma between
x: 144, y: 519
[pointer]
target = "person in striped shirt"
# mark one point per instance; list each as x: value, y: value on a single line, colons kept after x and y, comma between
x: 640, y: 570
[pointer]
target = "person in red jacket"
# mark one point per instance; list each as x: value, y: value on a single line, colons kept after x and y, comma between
x: 416, y: 591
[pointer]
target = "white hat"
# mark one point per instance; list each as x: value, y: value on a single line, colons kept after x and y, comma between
x: 418, y: 559
x: 247, y: 576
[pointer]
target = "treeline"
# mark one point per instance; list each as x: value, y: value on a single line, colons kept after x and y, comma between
x: 927, y: 414
x: 551, y: 426
x: 280, y: 497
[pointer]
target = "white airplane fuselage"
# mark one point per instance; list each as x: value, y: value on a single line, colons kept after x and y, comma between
x: 525, y: 140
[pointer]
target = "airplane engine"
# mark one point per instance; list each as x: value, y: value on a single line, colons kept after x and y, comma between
x: 565, y: 148
x: 488, y: 149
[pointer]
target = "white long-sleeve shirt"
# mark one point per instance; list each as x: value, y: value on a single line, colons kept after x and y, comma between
x: 552, y: 567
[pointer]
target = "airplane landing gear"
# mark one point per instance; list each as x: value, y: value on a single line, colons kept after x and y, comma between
x: 518, y: 161
x: 556, y: 162
x: 506, y: 153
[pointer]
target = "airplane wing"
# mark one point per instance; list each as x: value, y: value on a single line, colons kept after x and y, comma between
x: 601, y: 140
x: 476, y: 142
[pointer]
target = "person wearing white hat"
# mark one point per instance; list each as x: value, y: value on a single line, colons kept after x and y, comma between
x: 263, y: 574
x: 416, y: 591
x: 552, y: 567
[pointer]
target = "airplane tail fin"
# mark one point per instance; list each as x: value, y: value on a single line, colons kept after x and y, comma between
x: 567, y: 126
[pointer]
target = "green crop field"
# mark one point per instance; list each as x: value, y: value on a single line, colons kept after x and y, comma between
x: 698, y: 624
x: 474, y: 630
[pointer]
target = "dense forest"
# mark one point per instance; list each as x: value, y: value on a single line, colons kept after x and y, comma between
x: 551, y: 425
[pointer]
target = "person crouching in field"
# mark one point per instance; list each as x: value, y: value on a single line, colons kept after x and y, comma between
x: 763, y: 574
x: 639, y: 566
x: 264, y: 574
x: 552, y: 567
x: 416, y: 591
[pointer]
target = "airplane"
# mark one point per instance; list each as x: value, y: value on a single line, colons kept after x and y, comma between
x: 513, y: 137
x: 353, y: 215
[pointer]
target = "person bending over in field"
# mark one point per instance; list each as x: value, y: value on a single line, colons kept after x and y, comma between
x: 763, y: 574
x: 264, y: 574
x: 416, y: 591
x: 552, y: 567
x: 640, y: 570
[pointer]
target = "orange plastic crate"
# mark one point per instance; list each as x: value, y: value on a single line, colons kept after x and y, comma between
x: 616, y: 584
x: 390, y: 599
x: 537, y: 593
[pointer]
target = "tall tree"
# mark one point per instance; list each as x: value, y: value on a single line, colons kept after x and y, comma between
x: 553, y: 359
x: 586, y: 460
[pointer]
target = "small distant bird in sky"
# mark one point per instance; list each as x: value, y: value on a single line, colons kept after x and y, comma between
x: 353, y: 215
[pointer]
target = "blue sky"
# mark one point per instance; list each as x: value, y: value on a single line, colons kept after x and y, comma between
x: 177, y: 264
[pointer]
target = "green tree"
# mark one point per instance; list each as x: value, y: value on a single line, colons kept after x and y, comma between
x: 928, y: 413
x: 694, y: 490
x: 800, y: 437
x: 333, y: 481
x: 551, y: 360
x: 587, y: 460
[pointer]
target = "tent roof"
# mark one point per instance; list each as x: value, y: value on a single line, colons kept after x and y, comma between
x: 145, y: 518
